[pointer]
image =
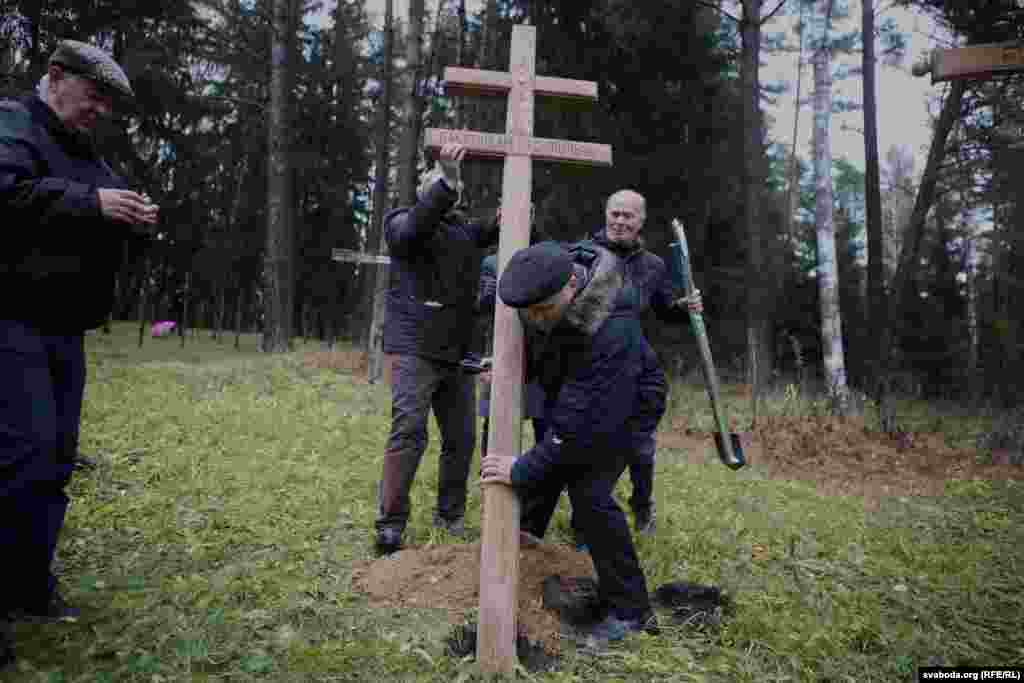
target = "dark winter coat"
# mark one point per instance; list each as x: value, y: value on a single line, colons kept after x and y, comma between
x: 600, y: 376
x: 435, y: 273
x: 58, y: 254
x: 647, y: 283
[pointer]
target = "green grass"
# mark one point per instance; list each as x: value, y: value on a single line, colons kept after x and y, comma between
x: 215, y: 543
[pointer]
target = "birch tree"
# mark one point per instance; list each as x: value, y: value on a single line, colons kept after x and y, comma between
x: 827, y: 272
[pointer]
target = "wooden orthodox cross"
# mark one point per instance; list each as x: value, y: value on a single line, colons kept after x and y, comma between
x: 974, y: 61
x: 981, y: 62
x: 499, y: 556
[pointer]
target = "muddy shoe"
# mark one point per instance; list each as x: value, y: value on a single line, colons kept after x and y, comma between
x: 574, y: 598
x: 388, y: 541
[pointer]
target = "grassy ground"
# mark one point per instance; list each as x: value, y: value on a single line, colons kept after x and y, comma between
x: 216, y: 538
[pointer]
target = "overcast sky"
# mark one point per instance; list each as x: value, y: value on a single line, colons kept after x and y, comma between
x: 903, y: 100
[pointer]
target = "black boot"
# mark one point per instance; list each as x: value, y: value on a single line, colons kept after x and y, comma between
x: 389, y: 540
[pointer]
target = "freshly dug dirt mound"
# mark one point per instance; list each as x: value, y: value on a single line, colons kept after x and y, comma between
x: 842, y: 457
x: 448, y: 577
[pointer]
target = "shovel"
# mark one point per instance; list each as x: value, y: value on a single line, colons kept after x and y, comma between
x: 730, y: 450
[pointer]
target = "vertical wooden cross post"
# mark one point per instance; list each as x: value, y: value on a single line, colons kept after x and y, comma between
x: 499, y: 556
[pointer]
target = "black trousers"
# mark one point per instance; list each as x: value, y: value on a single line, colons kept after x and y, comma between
x: 417, y: 386
x: 42, y: 379
x: 641, y: 474
x: 622, y: 586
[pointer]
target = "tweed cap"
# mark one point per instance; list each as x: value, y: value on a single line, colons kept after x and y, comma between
x: 93, y: 63
x: 535, y: 274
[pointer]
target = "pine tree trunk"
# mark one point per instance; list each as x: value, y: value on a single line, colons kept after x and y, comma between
x: 873, y: 200
x: 239, y: 305
x: 183, y: 324
x: 758, y: 294
x: 380, y: 198
x: 827, y: 271
x: 413, y: 117
x: 913, y: 237
x: 793, y: 184
x: 460, y: 49
x: 143, y: 296
x: 279, y: 275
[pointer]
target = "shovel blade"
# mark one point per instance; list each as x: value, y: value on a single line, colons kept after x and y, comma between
x: 737, y: 460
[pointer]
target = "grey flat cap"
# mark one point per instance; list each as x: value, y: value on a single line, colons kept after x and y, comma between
x: 93, y: 63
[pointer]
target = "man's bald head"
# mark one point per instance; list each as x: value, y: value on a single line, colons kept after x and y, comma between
x: 625, y: 213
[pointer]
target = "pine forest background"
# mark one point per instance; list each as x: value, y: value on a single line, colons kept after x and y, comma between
x: 272, y: 132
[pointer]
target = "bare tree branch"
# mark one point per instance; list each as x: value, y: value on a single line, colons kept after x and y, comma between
x: 771, y: 14
x: 709, y: 5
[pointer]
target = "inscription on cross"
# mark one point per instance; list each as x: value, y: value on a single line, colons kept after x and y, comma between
x: 499, y: 556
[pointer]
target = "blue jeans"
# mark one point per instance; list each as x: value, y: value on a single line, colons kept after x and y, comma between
x: 40, y: 413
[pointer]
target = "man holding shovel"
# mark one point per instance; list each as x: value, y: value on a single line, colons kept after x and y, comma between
x: 646, y: 286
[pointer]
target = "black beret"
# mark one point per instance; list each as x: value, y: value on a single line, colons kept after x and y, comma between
x: 92, y: 63
x: 534, y: 274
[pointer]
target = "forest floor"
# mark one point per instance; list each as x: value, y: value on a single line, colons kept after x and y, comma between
x: 227, y: 535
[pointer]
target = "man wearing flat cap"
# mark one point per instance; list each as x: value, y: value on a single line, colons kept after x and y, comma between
x: 66, y: 219
x: 431, y: 307
x: 603, y: 386
x: 646, y: 287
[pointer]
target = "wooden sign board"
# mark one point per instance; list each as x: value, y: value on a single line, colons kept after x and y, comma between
x: 977, y: 61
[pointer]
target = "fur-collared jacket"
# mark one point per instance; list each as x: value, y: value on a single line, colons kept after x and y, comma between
x: 647, y: 284
x: 435, y: 271
x: 58, y: 254
x: 601, y: 378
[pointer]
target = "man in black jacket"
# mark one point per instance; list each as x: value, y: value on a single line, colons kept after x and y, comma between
x: 66, y: 219
x: 646, y: 287
x: 435, y: 269
x: 603, y: 387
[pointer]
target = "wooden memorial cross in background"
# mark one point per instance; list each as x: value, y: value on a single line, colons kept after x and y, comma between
x: 499, y: 556
x: 981, y: 62
x: 974, y: 61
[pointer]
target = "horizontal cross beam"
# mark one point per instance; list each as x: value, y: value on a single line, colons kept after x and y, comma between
x: 500, y: 145
x: 462, y: 81
x: 977, y: 61
x: 349, y: 256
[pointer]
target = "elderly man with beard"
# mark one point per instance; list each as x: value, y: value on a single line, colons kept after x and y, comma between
x: 67, y: 217
x: 603, y: 386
